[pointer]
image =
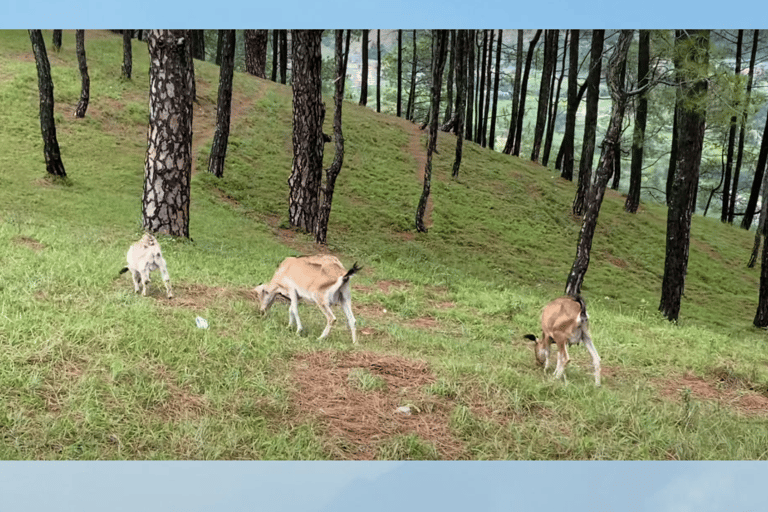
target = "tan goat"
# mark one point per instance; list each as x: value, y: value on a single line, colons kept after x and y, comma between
x: 564, y: 321
x: 320, y: 279
x: 143, y: 257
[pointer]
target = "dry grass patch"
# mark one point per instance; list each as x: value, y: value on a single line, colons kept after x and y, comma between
x: 726, y: 392
x: 29, y: 242
x: 359, y: 421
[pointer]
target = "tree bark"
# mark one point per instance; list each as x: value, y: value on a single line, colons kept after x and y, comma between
x: 641, y: 118
x: 449, y: 85
x: 468, y: 118
x: 524, y: 92
x: 275, y: 54
x: 488, y: 90
x: 364, y: 73
x: 53, y: 163
x: 749, y: 213
x: 605, y: 167
x: 481, y: 90
x: 617, y: 160
x: 726, y: 213
x: 331, y: 173
x: 127, y: 55
x: 590, y: 122
x: 740, y: 148
x: 691, y: 52
x: 168, y: 166
x: 378, y: 70
x: 461, y: 96
x: 198, y: 44
x: 565, y: 156
x: 399, y: 106
x: 438, y: 62
x: 409, y: 114
x: 284, y: 57
x: 761, y: 316
x: 494, y: 108
x: 57, y: 40
x: 256, y: 52
x: 552, y: 115
x: 223, y: 105
x: 85, y: 85
x: 760, y: 227
x: 550, y: 57
x: 308, y: 116
x: 511, y: 135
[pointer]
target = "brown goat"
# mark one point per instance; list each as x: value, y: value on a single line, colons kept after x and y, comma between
x: 564, y: 321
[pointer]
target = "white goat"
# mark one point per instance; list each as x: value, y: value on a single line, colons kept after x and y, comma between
x: 564, y: 321
x: 320, y: 279
x: 143, y: 257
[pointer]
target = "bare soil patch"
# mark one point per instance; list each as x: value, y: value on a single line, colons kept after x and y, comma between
x: 723, y: 391
x: 198, y: 296
x: 29, y: 242
x: 358, y: 421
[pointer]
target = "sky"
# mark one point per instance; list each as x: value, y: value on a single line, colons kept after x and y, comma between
x: 372, y: 486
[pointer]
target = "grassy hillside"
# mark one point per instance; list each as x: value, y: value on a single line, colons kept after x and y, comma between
x: 90, y: 370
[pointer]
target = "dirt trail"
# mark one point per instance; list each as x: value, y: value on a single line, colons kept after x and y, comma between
x: 419, y: 152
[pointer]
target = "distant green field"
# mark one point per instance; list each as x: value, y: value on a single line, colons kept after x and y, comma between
x: 90, y: 370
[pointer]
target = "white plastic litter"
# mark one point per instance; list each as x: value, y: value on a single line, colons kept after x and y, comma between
x: 404, y: 409
x: 201, y: 322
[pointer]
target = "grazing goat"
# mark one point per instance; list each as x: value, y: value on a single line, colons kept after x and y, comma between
x: 320, y: 279
x: 143, y: 257
x: 564, y: 321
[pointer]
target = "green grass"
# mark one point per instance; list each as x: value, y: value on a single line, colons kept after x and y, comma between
x: 90, y: 370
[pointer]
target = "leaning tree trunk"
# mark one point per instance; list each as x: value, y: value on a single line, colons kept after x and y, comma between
x: 331, y: 173
x: 127, y: 69
x: 749, y: 212
x: 364, y: 72
x: 53, y: 163
x: 524, y: 92
x: 461, y: 96
x: 308, y: 116
x: 85, y: 86
x: 691, y: 55
x: 510, y: 144
x: 168, y: 166
x: 590, y: 122
x: 725, y: 214
x: 760, y: 231
x: 641, y: 117
x: 605, y: 168
x: 223, y: 105
x: 438, y: 62
x: 256, y: 52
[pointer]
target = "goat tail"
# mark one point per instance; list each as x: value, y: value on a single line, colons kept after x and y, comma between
x: 583, y: 316
x: 123, y: 271
x: 354, y: 270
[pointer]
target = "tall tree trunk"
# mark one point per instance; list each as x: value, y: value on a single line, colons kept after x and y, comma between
x: 308, y: 116
x: 438, y: 62
x: 219, y: 46
x: 449, y: 86
x: 641, y: 118
x: 762, y: 160
x: 497, y: 70
x: 412, y: 92
x: 617, y: 160
x: 399, y: 105
x: 471, y: 35
x: 567, y: 146
x: 552, y: 115
x: 127, y: 55
x: 461, y: 96
x: 511, y: 134
x: 197, y: 38
x: 481, y: 91
x: 749, y: 213
x: 378, y: 70
x: 672, y: 167
x: 524, y: 92
x: 590, y: 121
x: 283, y: 57
x: 168, y: 166
x: 691, y: 54
x: 742, y: 134
x: 53, y: 163
x: 605, y: 168
x: 57, y: 40
x: 85, y: 86
x: 256, y: 52
x: 275, y: 54
x: 489, y: 89
x: 331, y: 173
x: 223, y: 106
x: 364, y: 73
x: 761, y: 316
x: 550, y: 57
x: 725, y: 214
x: 760, y: 231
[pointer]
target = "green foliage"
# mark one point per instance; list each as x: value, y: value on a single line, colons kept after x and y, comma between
x: 90, y: 370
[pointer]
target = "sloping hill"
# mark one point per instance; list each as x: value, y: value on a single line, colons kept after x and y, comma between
x: 90, y: 370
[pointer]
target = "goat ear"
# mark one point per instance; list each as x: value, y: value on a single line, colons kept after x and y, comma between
x: 530, y: 337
